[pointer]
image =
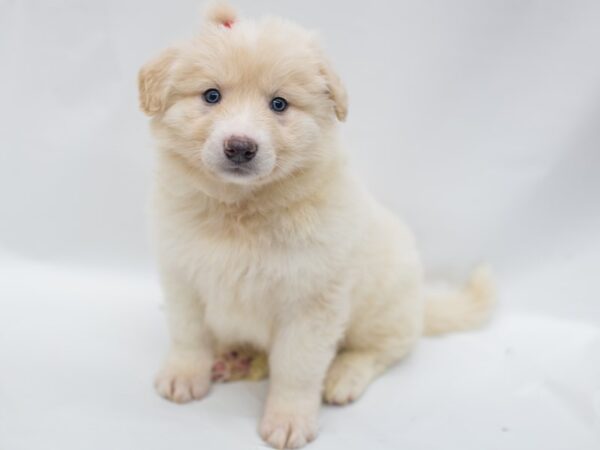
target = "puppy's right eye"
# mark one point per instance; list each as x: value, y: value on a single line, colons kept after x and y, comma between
x: 212, y: 96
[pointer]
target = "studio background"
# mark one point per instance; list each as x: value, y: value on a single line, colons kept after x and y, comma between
x: 476, y: 121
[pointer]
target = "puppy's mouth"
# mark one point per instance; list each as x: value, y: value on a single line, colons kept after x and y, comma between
x: 238, y: 173
x: 239, y: 170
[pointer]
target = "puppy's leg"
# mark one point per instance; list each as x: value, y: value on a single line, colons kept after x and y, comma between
x: 353, y: 370
x: 375, y: 340
x: 186, y: 372
x: 303, y: 348
x: 349, y: 375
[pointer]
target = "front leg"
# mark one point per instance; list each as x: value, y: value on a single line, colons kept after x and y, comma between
x: 303, y: 347
x: 186, y: 371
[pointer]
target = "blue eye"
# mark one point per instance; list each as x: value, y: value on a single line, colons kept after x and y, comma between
x: 279, y: 104
x: 212, y: 96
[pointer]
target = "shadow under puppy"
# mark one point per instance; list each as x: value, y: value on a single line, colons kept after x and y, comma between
x: 265, y: 240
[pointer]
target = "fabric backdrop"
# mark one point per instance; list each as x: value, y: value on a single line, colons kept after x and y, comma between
x: 476, y: 121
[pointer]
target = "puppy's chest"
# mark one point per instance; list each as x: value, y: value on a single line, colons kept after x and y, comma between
x: 248, y: 261
x: 233, y: 321
x: 248, y: 273
x: 244, y: 282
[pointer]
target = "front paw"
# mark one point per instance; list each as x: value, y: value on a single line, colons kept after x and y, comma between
x: 288, y: 429
x: 182, y: 380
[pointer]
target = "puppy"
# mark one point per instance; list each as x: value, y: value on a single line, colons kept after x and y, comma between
x: 264, y: 237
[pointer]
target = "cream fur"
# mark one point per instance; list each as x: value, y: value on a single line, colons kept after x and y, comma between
x: 293, y: 258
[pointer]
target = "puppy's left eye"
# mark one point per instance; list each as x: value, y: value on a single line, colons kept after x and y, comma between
x: 279, y: 104
x: 212, y: 96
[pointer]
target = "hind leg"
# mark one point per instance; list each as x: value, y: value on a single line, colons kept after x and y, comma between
x: 373, y: 343
x: 349, y: 375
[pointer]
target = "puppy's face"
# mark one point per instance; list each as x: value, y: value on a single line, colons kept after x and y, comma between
x: 243, y: 103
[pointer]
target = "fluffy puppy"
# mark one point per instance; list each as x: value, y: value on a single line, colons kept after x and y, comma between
x: 265, y: 239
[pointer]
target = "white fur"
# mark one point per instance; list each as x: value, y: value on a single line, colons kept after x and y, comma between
x: 241, y: 123
x: 296, y: 260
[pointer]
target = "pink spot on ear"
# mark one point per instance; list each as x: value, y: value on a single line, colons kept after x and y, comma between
x: 228, y: 23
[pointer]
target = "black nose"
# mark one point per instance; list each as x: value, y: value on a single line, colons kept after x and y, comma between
x: 240, y: 149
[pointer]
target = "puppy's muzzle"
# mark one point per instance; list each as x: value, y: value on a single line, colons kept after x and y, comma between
x: 239, y: 149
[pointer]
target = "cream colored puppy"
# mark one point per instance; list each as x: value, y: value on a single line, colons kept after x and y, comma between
x: 264, y: 237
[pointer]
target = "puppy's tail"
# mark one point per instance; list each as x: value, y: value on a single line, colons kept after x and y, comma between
x: 468, y: 307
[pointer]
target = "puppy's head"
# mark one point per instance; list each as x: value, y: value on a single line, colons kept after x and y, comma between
x: 244, y: 102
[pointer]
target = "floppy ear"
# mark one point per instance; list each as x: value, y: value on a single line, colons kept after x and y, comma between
x: 153, y: 82
x: 336, y: 90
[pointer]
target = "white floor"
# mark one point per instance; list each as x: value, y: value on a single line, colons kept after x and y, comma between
x: 78, y: 351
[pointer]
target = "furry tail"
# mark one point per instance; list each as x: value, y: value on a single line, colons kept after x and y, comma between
x: 462, y: 309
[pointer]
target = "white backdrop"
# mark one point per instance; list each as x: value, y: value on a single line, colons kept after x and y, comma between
x: 477, y: 121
